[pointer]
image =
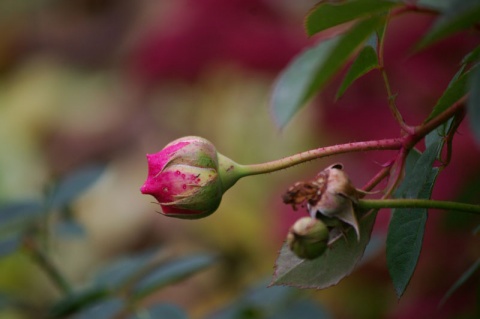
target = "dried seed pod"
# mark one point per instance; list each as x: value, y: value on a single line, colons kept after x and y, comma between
x: 330, y: 194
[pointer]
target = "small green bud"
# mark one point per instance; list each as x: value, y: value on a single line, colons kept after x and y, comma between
x: 308, y: 238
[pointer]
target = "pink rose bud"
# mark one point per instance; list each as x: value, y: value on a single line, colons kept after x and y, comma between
x: 188, y: 177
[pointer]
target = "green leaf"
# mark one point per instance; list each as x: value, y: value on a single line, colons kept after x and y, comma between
x: 439, y: 5
x: 70, y: 228
x: 117, y: 274
x: 71, y: 186
x: 326, y: 14
x: 327, y: 270
x: 476, y: 230
x: 77, y: 301
x: 406, y: 228
x: 366, y: 61
x: 161, y: 311
x: 465, y: 276
x: 313, y: 68
x: 473, y: 103
x: 20, y: 212
x: 456, y: 89
x: 170, y: 273
x: 105, y: 309
x: 460, y: 15
x: 404, y: 243
x: 278, y: 302
x: 439, y: 133
x: 472, y: 57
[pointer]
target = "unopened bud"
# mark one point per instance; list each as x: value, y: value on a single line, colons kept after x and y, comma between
x: 308, y: 238
x: 188, y: 177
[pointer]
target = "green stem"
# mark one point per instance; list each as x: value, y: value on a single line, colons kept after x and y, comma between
x: 44, y: 261
x: 391, y: 103
x: 286, y: 162
x: 417, y: 203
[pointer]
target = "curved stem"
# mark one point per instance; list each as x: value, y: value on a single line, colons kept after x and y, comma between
x: 384, y: 172
x: 417, y: 203
x: 391, y: 103
x: 44, y: 262
x: 286, y: 162
x: 423, y: 129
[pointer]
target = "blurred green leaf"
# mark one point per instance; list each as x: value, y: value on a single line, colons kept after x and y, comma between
x: 406, y: 228
x: 476, y: 230
x: 366, y: 61
x: 311, y: 70
x: 20, y: 212
x: 78, y: 300
x: 473, y: 103
x: 326, y: 14
x: 463, y: 278
x: 167, y: 311
x: 302, y: 309
x: 116, y: 274
x: 257, y: 302
x: 472, y: 57
x: 9, y: 244
x: 103, y: 310
x: 72, y: 185
x: 440, y: 5
x: 327, y: 270
x: 459, y: 15
x: 275, y: 302
x: 455, y: 90
x: 291, y: 88
x: 170, y: 273
x: 69, y: 228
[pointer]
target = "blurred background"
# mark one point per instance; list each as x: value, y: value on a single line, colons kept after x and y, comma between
x: 104, y: 82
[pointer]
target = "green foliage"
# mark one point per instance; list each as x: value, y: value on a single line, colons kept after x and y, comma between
x: 118, y: 286
x: 77, y: 301
x: 126, y: 282
x: 473, y: 104
x: 319, y: 273
x: 277, y: 302
x: 366, y: 61
x: 406, y: 228
x: 454, y: 91
x: 458, y: 15
x: 74, y: 184
x: 311, y: 70
x: 326, y: 14
x: 162, y: 311
x: 170, y: 273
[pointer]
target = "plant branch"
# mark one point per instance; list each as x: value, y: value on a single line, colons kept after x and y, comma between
x: 425, y: 128
x: 384, y: 172
x: 286, y: 162
x: 417, y: 203
x: 391, y: 101
x: 44, y: 262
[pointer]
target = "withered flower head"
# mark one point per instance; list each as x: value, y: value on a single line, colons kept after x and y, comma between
x: 330, y: 194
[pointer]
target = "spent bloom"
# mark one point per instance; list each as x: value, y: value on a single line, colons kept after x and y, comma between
x: 330, y: 196
x: 188, y: 177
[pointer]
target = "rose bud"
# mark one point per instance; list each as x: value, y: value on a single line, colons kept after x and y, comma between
x: 188, y: 177
x: 308, y: 238
x: 336, y: 197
